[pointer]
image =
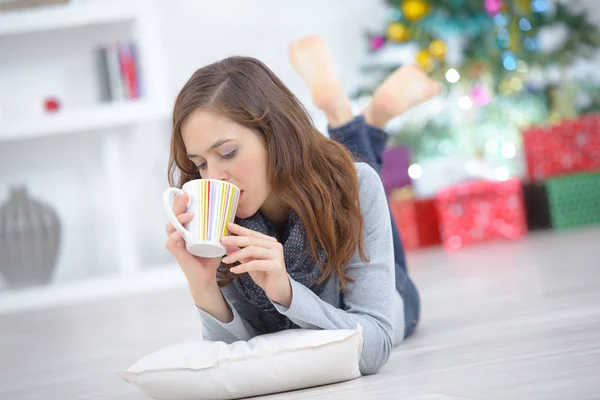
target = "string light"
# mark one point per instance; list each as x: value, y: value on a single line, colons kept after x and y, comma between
x: 415, y: 171
x: 452, y: 75
x: 465, y: 102
x: 509, y: 150
x: 539, y: 6
x: 509, y: 61
x: 524, y: 24
x: 500, y: 20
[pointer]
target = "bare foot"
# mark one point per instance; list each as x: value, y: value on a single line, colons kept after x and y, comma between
x: 311, y: 59
x: 405, y: 88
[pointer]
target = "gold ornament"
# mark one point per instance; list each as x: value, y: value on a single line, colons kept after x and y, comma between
x: 398, y: 32
x: 425, y: 60
x: 414, y: 9
x: 437, y: 48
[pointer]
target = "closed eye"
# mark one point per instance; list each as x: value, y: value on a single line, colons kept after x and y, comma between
x: 226, y: 156
x: 229, y: 155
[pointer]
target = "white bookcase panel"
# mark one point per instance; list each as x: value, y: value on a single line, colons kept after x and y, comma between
x: 68, y: 176
x: 101, y: 165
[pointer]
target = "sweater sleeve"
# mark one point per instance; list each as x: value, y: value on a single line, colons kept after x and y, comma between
x: 368, y: 300
x: 244, y: 326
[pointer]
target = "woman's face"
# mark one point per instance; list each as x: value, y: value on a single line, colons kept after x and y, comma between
x: 229, y: 152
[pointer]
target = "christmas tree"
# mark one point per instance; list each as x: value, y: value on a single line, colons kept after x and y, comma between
x: 504, y: 65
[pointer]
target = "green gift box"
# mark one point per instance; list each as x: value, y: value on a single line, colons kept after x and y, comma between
x: 574, y: 200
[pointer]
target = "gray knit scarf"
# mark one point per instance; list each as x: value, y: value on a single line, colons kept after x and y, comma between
x: 299, y: 262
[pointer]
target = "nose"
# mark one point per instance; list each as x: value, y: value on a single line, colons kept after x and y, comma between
x: 215, y: 172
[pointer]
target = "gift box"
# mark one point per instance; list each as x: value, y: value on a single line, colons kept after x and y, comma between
x: 569, y: 147
x: 442, y: 172
x: 394, y: 173
x: 537, y: 211
x: 480, y: 210
x: 574, y: 200
x: 416, y: 219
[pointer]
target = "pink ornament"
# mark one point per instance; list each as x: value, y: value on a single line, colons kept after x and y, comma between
x: 493, y: 7
x: 480, y: 95
x: 377, y: 42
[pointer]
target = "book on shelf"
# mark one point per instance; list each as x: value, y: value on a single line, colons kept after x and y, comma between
x: 119, y: 72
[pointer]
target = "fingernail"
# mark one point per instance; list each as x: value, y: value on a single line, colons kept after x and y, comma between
x: 226, y: 260
x: 224, y: 239
x: 235, y: 270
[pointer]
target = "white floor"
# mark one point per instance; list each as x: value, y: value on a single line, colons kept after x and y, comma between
x: 504, y: 320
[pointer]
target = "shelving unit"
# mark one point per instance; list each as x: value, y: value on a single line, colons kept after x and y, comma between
x: 39, y: 20
x: 160, y: 278
x: 112, y: 136
x: 82, y: 120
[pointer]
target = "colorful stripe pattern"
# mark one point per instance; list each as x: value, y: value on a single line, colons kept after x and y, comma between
x: 217, y: 202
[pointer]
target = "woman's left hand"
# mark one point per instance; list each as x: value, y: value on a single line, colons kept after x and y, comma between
x: 262, y: 257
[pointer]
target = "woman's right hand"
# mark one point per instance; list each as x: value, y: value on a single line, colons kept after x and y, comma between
x: 200, y: 272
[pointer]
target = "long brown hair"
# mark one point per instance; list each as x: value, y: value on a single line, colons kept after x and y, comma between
x: 313, y: 175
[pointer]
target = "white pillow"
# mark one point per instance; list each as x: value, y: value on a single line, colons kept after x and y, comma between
x: 277, y: 362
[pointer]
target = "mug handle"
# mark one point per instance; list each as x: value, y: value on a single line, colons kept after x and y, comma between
x: 167, y: 204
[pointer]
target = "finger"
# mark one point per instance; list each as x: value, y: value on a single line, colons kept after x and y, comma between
x: 241, y: 231
x: 174, y: 242
x: 231, y: 249
x: 180, y: 204
x: 170, y: 228
x: 254, y: 265
x: 185, y: 217
x: 245, y: 241
x: 182, y: 218
x: 253, y: 252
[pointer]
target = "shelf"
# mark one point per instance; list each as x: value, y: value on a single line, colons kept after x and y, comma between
x: 51, y: 18
x: 84, y: 120
x: 92, y: 289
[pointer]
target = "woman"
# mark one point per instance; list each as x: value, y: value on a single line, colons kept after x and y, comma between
x: 313, y: 245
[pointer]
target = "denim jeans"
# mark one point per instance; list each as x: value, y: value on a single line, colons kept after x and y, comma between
x: 366, y: 143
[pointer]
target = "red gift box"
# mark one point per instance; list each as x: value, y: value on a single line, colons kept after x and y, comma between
x: 571, y: 146
x: 482, y: 210
x: 416, y: 220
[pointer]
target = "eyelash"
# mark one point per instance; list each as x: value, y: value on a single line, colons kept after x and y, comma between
x: 227, y: 156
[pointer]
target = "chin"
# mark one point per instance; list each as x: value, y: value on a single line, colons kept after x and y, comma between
x: 244, y: 212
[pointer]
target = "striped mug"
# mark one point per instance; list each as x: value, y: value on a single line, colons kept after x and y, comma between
x: 213, y: 204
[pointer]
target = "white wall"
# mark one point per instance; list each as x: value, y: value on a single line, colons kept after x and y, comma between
x: 199, y: 32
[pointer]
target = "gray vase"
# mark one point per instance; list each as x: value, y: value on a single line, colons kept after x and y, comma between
x: 29, y: 240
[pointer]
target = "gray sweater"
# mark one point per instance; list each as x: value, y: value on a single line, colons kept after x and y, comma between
x: 371, y: 300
